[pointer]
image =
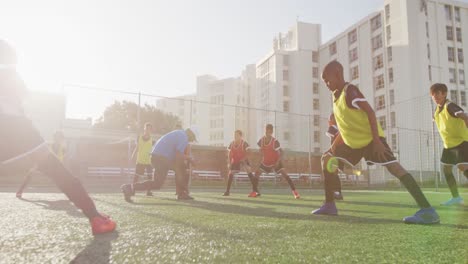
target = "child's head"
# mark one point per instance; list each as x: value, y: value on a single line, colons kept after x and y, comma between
x: 439, y: 93
x: 148, y: 128
x: 333, y: 76
x: 269, y: 130
x: 238, y: 135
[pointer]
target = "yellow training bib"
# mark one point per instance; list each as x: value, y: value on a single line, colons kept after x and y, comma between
x: 452, y: 130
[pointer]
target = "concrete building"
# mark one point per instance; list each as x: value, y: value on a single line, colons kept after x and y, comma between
x: 184, y: 107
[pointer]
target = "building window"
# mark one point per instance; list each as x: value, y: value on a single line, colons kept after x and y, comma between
x: 376, y: 22
x: 427, y: 29
x: 377, y: 42
x: 285, y: 60
x: 354, y: 72
x: 383, y: 122
x: 394, y: 142
x: 352, y: 37
x: 461, y: 76
x: 392, y: 97
x: 428, y: 51
x: 316, y: 104
x: 449, y: 30
x: 286, y: 136
x: 454, y: 96
x: 315, y: 56
x: 457, y: 14
x: 315, y: 72
x: 463, y: 98
x: 392, y: 119
x: 460, y: 55
x: 429, y: 69
x: 285, y: 106
x: 316, y: 136
x: 316, y: 88
x: 378, y: 62
x: 316, y: 120
x: 452, y: 75
x: 389, y: 54
x: 451, y: 54
x: 353, y: 55
x: 285, y: 90
x: 389, y: 33
x: 285, y: 75
x: 390, y: 75
x: 379, y: 82
x: 387, y: 13
x: 380, y: 102
x: 459, y: 34
x: 448, y: 12
x: 332, y: 48
x: 316, y: 150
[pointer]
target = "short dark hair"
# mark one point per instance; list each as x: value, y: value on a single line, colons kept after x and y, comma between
x: 269, y: 126
x: 438, y: 87
x: 238, y: 132
x: 333, y: 66
x: 148, y: 124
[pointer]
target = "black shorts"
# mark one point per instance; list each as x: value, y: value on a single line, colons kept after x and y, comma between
x: 455, y: 155
x: 276, y: 168
x: 367, y: 152
x: 236, y: 167
x: 141, y: 168
x: 18, y: 138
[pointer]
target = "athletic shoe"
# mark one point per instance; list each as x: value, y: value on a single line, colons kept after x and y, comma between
x: 149, y: 193
x: 226, y: 194
x: 328, y: 208
x: 184, y: 197
x: 296, y: 194
x: 425, y: 216
x: 254, y: 194
x: 453, y: 201
x: 338, y: 196
x: 19, y: 195
x: 101, y: 224
x: 127, y: 192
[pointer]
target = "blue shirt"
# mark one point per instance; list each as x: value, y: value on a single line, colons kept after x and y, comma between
x: 169, y: 144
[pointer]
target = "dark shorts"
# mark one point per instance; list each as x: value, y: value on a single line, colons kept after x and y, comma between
x: 455, y: 155
x: 18, y: 137
x: 274, y: 168
x: 141, y: 168
x: 367, y: 152
x: 236, y: 167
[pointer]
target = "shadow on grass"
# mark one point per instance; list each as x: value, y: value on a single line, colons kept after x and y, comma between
x: 58, y: 205
x: 98, y: 251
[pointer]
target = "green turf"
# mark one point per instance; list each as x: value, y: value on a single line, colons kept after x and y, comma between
x: 214, y: 229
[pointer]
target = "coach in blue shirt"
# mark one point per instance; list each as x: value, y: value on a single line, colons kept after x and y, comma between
x: 169, y: 152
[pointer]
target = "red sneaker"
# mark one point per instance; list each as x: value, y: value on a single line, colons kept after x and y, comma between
x: 296, y: 194
x: 102, y: 224
x: 254, y: 194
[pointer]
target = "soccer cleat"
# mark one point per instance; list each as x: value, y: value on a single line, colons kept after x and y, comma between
x: 296, y: 194
x: 102, y: 224
x: 328, y: 208
x: 254, y: 194
x: 453, y: 201
x: 149, y: 193
x: 184, y: 197
x: 19, y: 195
x: 127, y: 192
x: 338, y: 196
x: 226, y: 194
x: 425, y: 216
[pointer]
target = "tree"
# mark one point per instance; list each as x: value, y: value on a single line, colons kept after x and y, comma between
x: 124, y: 115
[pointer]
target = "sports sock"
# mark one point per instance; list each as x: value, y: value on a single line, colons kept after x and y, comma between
x: 230, y: 178
x: 408, y: 181
x: 451, y: 182
x: 254, y: 182
x: 328, y: 186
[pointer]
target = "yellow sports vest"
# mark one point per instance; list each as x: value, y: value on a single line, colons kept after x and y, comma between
x: 452, y: 130
x: 144, y: 151
x: 59, y: 152
x: 353, y: 124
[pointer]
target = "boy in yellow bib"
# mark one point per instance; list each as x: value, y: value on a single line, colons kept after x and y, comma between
x: 144, y: 145
x: 452, y: 123
x: 361, y: 136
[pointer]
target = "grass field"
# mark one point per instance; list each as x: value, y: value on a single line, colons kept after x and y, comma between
x: 275, y: 228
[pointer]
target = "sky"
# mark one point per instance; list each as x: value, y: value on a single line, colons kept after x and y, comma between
x: 157, y: 47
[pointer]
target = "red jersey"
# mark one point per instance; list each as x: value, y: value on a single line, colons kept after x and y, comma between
x: 270, y: 151
x: 238, y: 152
